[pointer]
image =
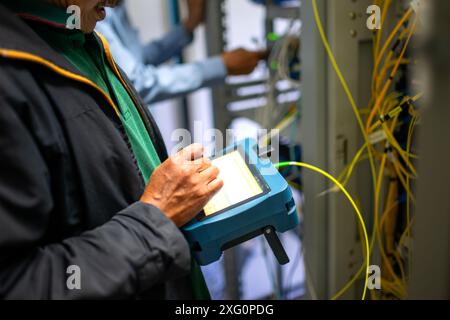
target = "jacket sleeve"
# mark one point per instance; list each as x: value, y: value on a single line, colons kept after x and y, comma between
x: 159, y: 51
x: 155, y: 84
x: 136, y: 250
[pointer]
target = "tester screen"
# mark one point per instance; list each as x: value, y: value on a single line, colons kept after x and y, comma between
x: 239, y: 183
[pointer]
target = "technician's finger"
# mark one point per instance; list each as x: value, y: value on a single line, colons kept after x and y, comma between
x: 215, y: 186
x: 192, y: 152
x: 203, y: 164
x: 210, y: 174
x: 199, y: 165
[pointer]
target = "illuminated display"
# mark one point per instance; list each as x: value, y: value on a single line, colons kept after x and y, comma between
x: 239, y: 183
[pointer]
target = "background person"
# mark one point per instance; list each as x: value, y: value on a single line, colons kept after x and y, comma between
x: 142, y: 62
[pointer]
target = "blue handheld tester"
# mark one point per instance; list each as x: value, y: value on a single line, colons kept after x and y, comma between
x: 255, y: 200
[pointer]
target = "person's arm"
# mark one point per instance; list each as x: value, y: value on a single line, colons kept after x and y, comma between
x: 159, y: 51
x: 158, y: 83
x: 155, y: 84
x: 137, y: 249
x: 116, y: 27
x: 173, y: 43
x: 140, y: 247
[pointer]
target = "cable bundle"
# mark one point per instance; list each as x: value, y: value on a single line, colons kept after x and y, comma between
x: 388, y: 112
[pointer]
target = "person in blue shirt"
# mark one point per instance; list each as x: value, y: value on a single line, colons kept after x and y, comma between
x: 143, y: 62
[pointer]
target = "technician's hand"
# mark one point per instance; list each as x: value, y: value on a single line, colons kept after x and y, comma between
x: 183, y: 185
x: 196, y: 15
x: 241, y: 61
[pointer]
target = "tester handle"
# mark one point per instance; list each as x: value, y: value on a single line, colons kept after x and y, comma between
x: 276, y: 245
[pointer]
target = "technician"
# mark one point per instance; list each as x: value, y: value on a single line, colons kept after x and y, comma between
x: 142, y: 63
x: 90, y: 204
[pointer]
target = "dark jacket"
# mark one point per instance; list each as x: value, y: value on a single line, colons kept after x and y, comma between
x: 70, y: 186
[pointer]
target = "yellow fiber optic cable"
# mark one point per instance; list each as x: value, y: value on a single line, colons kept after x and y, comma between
x: 404, y: 236
x: 389, y: 65
x: 394, y: 144
x: 401, y: 22
x: 397, y: 110
x: 391, y: 77
x: 353, y: 203
x: 351, y: 100
x: 380, y: 101
x: 377, y: 227
x: 289, y: 119
x: 353, y: 164
x: 376, y: 231
x: 343, y: 82
x: 385, y: 6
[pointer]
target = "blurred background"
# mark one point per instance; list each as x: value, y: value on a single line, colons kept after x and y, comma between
x: 377, y: 70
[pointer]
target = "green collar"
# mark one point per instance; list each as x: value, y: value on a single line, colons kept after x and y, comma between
x: 41, y: 11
